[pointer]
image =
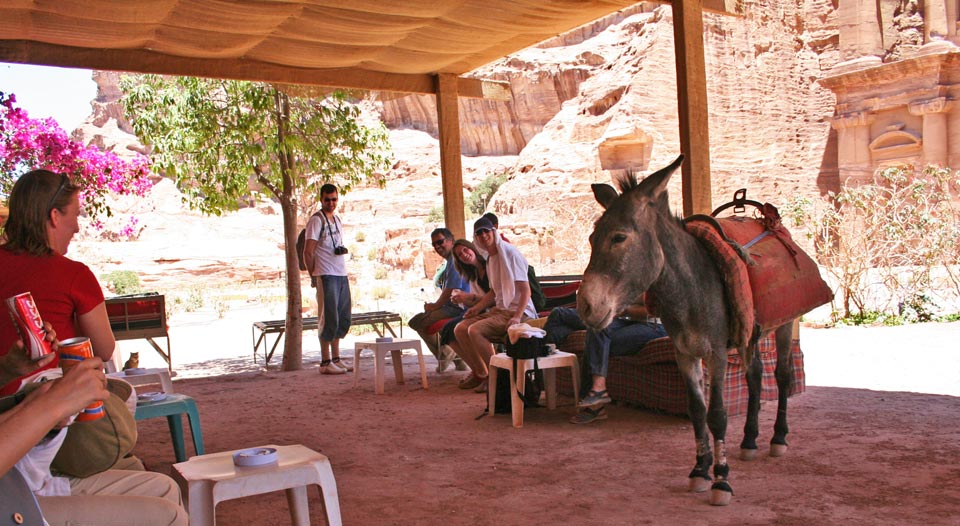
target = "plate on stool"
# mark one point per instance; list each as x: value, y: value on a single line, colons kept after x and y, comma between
x: 151, y: 397
x: 386, y: 339
x: 134, y: 371
x: 258, y: 456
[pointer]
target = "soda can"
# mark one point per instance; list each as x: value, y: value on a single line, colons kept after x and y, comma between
x: 73, y: 351
x: 27, y: 320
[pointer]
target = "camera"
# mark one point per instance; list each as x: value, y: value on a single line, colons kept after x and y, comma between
x: 339, y: 251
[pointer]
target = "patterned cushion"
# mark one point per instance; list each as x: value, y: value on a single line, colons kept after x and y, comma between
x: 651, y: 378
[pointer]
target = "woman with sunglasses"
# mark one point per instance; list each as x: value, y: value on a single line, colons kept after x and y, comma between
x: 44, y: 212
x: 472, y: 266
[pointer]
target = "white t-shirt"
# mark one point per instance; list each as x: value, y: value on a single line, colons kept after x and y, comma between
x: 504, y: 269
x: 328, y: 234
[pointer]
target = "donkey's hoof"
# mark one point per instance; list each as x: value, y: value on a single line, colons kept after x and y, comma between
x: 748, y: 454
x: 778, y: 450
x: 720, y: 497
x: 698, y: 484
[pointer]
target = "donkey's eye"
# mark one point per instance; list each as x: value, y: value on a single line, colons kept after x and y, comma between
x: 618, y: 238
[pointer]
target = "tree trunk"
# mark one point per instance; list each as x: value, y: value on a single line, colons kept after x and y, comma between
x: 293, y: 343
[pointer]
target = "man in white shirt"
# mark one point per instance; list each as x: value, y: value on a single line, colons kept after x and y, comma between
x: 509, y: 299
x: 325, y: 256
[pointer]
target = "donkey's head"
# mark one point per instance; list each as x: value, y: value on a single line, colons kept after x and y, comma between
x: 626, y: 256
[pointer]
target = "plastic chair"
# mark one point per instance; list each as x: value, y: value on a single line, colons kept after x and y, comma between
x: 172, y: 407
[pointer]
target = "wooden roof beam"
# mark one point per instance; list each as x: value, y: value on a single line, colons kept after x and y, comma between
x: 29, y: 52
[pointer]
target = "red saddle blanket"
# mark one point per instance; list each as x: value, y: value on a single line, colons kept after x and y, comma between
x: 769, y: 279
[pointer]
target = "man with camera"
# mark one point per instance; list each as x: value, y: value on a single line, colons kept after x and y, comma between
x: 325, y: 256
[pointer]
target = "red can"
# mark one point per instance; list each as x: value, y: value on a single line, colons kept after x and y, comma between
x: 26, y: 318
x: 73, y: 351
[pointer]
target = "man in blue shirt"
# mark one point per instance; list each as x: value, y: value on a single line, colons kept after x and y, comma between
x: 450, y: 280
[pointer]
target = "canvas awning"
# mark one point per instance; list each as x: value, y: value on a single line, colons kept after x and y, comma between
x: 418, y: 46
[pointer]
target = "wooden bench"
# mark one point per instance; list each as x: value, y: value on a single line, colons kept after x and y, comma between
x: 138, y: 316
x: 379, y: 320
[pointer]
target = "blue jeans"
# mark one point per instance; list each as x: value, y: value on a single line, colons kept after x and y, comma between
x: 336, y: 307
x: 622, y: 337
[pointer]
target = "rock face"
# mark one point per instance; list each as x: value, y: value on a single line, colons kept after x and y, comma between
x: 592, y: 104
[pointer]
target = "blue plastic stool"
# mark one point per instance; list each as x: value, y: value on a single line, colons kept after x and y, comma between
x: 172, y: 407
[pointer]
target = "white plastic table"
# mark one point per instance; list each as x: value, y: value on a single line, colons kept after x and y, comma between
x: 380, y: 350
x: 207, y: 480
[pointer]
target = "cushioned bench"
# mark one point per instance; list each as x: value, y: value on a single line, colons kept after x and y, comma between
x: 651, y: 378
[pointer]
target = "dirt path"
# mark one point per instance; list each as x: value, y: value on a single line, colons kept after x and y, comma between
x: 410, y: 456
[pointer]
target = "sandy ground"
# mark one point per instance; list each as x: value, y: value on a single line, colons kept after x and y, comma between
x: 872, y: 440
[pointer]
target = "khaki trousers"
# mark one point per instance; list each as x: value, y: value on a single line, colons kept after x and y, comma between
x: 118, y: 498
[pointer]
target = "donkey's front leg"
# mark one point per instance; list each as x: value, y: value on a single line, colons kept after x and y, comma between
x: 784, y: 374
x: 720, y: 492
x: 690, y: 369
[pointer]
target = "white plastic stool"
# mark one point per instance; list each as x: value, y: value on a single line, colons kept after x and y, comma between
x: 147, y: 377
x: 548, y: 363
x: 380, y: 350
x: 207, y: 480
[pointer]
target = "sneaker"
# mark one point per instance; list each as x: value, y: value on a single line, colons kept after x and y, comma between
x: 589, y: 415
x: 342, y: 364
x: 595, y: 398
x: 470, y: 381
x: 459, y: 365
x: 330, y: 368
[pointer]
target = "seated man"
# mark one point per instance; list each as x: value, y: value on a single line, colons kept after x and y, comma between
x: 625, y: 335
x: 32, y: 430
x: 508, y: 299
x: 450, y: 280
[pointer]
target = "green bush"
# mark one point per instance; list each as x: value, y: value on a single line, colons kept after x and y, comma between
x: 122, y: 282
x: 435, y: 215
x: 481, y: 195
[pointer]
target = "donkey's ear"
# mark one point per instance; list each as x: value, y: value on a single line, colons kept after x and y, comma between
x: 659, y: 179
x: 604, y: 193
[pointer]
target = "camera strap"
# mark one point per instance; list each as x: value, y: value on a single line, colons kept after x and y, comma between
x: 336, y: 222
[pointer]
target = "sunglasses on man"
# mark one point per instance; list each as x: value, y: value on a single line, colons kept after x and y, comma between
x: 482, y: 231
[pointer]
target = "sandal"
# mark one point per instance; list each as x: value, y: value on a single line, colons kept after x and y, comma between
x: 470, y: 382
x: 595, y: 398
x: 589, y: 415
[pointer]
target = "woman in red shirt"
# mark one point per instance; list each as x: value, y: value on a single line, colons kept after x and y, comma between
x: 44, y: 211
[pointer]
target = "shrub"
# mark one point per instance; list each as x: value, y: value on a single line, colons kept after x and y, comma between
x: 435, y: 215
x: 122, y: 282
x: 481, y: 195
x: 889, y: 244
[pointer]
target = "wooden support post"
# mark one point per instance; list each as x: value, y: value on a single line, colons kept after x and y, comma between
x: 448, y: 123
x: 692, y: 105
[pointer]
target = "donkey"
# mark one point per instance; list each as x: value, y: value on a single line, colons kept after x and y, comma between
x: 638, y: 245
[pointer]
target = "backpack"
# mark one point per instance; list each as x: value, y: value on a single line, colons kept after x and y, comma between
x: 536, y: 291
x: 97, y: 445
x: 531, y: 391
x: 524, y: 349
x: 302, y: 242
